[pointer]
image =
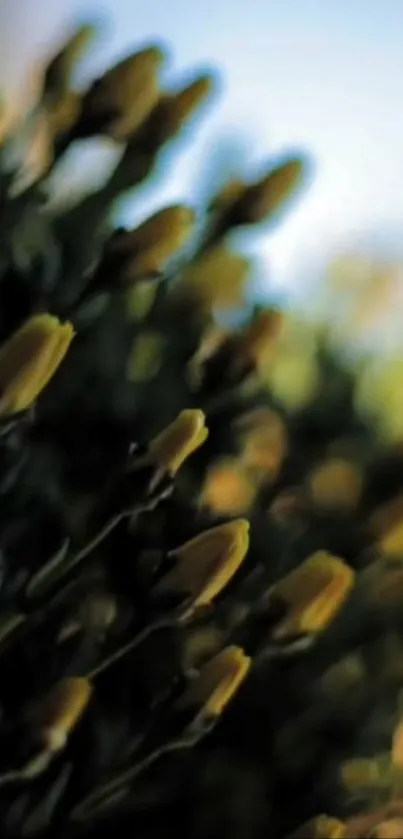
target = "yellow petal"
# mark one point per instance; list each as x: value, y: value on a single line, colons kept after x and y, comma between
x: 178, y: 441
x: 29, y: 359
x: 62, y: 709
x: 205, y: 564
x: 217, y: 682
x: 313, y: 593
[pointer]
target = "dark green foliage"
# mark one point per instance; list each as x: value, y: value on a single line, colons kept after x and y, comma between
x: 81, y: 518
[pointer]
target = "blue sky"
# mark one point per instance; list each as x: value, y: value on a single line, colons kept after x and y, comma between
x: 320, y: 75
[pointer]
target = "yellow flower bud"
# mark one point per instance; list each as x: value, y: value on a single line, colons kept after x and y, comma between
x: 229, y: 195
x: 386, y: 526
x: 217, y: 278
x: 261, y: 335
x: 389, y: 829
x: 240, y: 353
x: 345, y: 676
x: 211, y: 342
x: 98, y: 611
x: 379, y: 395
x: 336, y: 485
x: 59, y: 69
x: 313, y: 593
x: 62, y: 114
x: 199, y: 645
x: 61, y: 710
x: 140, y: 299
x: 217, y: 682
x: 228, y: 489
x: 384, y: 823
x: 120, y: 101
x: 293, y: 372
x: 29, y: 359
x: 264, y: 441
x: 205, y: 564
x: 175, y: 110
x: 146, y: 356
x: 391, y: 541
x: 184, y: 103
x: 320, y: 827
x: 178, y: 441
x: 367, y: 773
x: 263, y: 199
x: 147, y: 249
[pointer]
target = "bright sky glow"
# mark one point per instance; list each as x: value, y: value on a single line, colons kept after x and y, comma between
x: 321, y: 75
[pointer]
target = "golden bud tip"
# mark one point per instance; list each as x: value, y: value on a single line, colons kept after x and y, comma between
x: 313, y: 593
x: 174, y: 110
x: 179, y: 440
x: 79, y: 41
x: 29, y: 359
x: 61, y: 65
x: 62, y: 709
x: 264, y: 198
x: 217, y: 682
x: 123, y: 98
x: 188, y: 99
x: 207, y: 563
x: 147, y: 249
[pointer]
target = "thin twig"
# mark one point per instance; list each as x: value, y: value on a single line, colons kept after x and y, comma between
x: 88, y: 807
x: 165, y: 623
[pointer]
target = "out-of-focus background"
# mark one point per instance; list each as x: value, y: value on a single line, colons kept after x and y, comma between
x: 319, y: 75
